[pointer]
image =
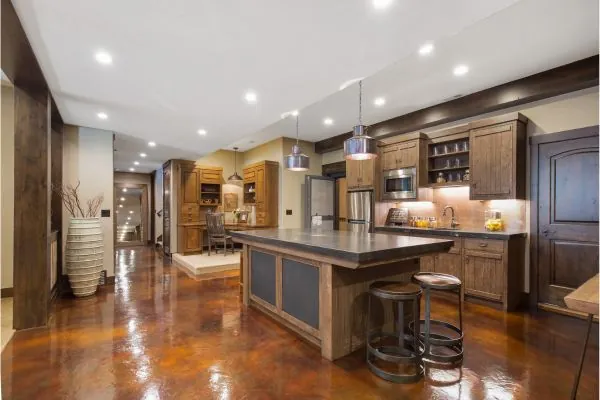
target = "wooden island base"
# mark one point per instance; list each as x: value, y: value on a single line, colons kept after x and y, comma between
x: 322, y: 298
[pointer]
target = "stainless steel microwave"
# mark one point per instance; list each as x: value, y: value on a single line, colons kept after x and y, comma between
x: 400, y: 184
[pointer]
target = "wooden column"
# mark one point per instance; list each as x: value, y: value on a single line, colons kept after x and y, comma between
x: 32, y: 211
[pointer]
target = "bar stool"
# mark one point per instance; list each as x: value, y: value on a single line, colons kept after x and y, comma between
x: 404, y: 352
x: 429, y: 281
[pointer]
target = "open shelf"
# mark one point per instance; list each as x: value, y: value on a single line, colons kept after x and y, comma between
x: 448, y: 169
x: 456, y: 153
x: 449, y: 184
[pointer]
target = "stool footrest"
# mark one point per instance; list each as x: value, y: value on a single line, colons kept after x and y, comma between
x: 438, y: 339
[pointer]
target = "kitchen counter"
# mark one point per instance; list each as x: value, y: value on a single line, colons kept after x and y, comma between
x: 462, y: 232
x: 316, y: 282
x: 352, y: 249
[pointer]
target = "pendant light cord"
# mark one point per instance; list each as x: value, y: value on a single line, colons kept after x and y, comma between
x: 297, y: 123
x: 360, y: 102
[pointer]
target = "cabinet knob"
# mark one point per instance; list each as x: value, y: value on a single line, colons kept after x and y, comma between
x: 474, y: 185
x: 482, y: 244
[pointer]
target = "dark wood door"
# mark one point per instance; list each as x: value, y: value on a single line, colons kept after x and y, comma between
x: 567, y: 215
x: 408, y: 154
x: 167, y: 209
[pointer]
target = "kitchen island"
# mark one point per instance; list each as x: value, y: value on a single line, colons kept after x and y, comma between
x: 316, y: 282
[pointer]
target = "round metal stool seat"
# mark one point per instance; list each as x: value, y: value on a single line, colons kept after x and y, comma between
x: 436, y: 280
x: 436, y: 333
x: 405, y: 348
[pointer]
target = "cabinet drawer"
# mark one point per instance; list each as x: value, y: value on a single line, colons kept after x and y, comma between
x: 492, y: 245
x: 261, y: 214
x: 189, y: 218
x: 260, y: 221
x: 190, y: 209
x: 209, y: 175
x: 260, y: 207
x: 249, y: 175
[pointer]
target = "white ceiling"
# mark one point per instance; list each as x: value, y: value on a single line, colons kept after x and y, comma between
x: 183, y: 65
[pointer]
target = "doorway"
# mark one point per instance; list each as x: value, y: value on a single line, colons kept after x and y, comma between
x: 564, y: 214
x: 131, y: 215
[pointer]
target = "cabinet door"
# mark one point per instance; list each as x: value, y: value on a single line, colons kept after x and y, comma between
x: 484, y: 275
x: 260, y: 184
x: 408, y: 154
x: 353, y: 173
x: 192, y: 239
x: 427, y: 264
x: 210, y: 175
x: 367, y: 173
x: 190, y: 188
x: 450, y: 264
x: 389, y: 157
x: 492, y: 162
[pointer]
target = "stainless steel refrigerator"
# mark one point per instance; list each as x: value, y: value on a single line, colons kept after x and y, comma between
x: 361, y: 211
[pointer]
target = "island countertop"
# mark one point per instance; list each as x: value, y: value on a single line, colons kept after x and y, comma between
x: 355, y: 248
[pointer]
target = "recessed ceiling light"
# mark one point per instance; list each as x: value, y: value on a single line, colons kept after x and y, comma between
x: 350, y: 82
x: 143, y: 155
x: 129, y: 218
x: 120, y: 205
x: 379, y: 101
x: 117, y: 211
x: 122, y: 199
x: 201, y: 132
x: 130, y: 212
x: 250, y: 97
x: 124, y: 190
x: 381, y: 4
x: 132, y: 169
x: 460, y: 70
x: 328, y: 121
x: 103, y: 57
x: 136, y: 163
x: 102, y: 115
x: 426, y: 49
x: 152, y: 144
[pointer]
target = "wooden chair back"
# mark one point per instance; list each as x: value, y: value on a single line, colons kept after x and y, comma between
x: 215, y: 224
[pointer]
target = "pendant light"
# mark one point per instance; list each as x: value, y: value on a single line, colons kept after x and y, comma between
x: 296, y: 161
x: 360, y: 146
x: 235, y: 178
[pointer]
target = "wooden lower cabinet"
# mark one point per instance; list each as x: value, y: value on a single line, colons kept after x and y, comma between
x: 190, y: 239
x: 490, y: 269
x: 484, y: 275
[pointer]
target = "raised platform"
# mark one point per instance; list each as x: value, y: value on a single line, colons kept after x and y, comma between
x: 198, y: 264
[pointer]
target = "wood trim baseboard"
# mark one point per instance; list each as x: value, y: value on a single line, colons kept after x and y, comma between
x: 564, y: 311
x: 6, y: 292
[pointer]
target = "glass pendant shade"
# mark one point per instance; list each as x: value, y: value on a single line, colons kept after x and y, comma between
x: 296, y: 161
x: 235, y: 178
x: 360, y: 146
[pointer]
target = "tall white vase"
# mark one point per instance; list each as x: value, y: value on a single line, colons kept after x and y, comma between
x: 84, y: 255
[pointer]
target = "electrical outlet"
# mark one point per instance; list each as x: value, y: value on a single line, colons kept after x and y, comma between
x: 288, y: 212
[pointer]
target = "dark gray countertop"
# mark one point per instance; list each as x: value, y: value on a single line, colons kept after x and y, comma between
x: 468, y: 232
x: 361, y: 248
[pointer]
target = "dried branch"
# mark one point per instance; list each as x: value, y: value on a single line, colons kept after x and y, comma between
x: 71, y: 201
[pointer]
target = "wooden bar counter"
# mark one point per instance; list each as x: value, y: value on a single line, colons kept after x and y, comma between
x: 316, y: 282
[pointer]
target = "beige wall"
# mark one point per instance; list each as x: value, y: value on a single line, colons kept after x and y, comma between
x: 292, y: 185
x: 7, y: 200
x: 272, y: 151
x: 88, y: 158
x: 125, y: 178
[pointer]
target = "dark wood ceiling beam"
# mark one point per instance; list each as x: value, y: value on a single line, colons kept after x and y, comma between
x: 568, y: 78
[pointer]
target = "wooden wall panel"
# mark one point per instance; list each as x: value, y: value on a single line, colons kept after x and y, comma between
x: 32, y: 211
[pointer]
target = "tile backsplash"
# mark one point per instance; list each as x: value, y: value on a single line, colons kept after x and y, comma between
x: 469, y: 213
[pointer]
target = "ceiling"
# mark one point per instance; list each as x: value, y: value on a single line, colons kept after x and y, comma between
x: 180, y: 66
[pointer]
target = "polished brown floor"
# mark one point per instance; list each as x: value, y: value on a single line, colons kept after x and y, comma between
x: 159, y: 334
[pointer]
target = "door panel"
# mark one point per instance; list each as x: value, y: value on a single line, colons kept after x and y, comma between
x: 352, y: 173
x: 567, y: 231
x: 408, y: 154
x: 190, y: 190
x: 389, y: 157
x: 427, y: 264
x: 484, y: 275
x: 450, y: 264
x: 367, y: 173
x: 260, y: 184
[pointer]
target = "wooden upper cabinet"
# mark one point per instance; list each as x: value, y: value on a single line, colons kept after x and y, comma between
x: 211, y: 175
x: 389, y: 157
x: 400, y: 155
x: 408, y: 154
x: 353, y: 173
x: 260, y: 184
x: 360, y: 174
x: 190, y: 188
x: 497, y: 160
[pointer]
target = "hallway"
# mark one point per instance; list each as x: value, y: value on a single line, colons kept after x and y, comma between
x: 159, y: 334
